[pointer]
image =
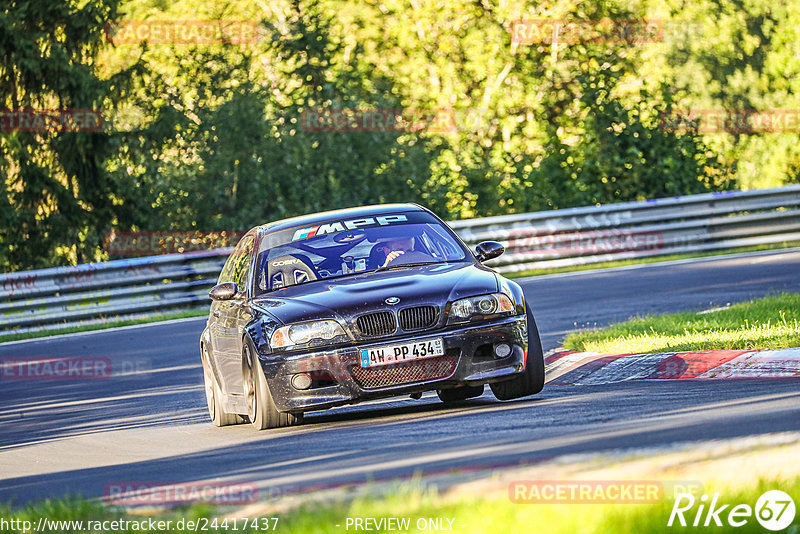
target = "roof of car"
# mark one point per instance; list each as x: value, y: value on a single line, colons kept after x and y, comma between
x: 347, y: 213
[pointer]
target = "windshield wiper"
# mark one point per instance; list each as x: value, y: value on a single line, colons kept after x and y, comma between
x: 415, y: 264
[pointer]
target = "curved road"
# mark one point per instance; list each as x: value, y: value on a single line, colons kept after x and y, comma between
x: 148, y: 421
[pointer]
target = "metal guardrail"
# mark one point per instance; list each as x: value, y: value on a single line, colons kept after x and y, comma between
x: 93, y: 293
x: 133, y: 288
x: 586, y: 235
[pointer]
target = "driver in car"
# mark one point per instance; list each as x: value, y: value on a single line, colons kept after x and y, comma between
x: 394, y: 248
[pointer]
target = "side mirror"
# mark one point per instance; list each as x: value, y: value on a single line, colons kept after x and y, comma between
x: 224, y: 291
x: 488, y: 250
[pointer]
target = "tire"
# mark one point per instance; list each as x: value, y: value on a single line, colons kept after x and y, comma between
x: 531, y: 380
x: 459, y: 393
x: 214, y: 397
x: 261, y: 408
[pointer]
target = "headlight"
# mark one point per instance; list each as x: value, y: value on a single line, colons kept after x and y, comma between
x: 485, y: 305
x: 302, y: 333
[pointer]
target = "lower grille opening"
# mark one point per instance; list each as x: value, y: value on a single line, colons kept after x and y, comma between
x: 405, y: 372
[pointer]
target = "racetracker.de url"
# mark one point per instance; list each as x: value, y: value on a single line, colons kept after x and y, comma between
x: 202, y: 524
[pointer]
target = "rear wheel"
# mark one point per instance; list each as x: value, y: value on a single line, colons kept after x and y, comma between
x: 214, y: 397
x: 460, y: 393
x: 531, y: 380
x: 261, y: 408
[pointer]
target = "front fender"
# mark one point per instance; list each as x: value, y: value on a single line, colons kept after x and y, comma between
x: 513, y: 290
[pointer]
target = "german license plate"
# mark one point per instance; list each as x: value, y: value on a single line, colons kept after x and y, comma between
x: 389, y: 354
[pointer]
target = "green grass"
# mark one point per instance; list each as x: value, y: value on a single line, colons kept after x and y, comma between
x: 103, y: 326
x: 475, y: 514
x: 651, y: 259
x: 769, y: 323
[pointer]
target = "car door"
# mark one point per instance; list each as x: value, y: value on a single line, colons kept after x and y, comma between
x: 216, y: 327
x: 233, y: 316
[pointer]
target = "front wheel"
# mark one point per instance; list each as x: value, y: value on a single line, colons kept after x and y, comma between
x: 261, y: 408
x: 531, y: 380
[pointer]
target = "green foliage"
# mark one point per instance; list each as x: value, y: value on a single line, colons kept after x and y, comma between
x: 234, y: 151
x: 625, y: 152
x: 215, y: 136
x: 739, y: 55
x: 58, y: 198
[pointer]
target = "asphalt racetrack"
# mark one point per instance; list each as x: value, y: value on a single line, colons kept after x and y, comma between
x: 149, y: 422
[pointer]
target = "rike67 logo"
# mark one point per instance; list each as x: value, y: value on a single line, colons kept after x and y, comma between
x: 774, y: 510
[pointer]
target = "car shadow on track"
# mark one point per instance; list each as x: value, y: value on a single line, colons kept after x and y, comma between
x: 360, y: 412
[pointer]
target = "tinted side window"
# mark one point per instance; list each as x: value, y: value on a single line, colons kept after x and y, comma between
x: 241, y: 266
x: 225, y: 274
x: 229, y: 270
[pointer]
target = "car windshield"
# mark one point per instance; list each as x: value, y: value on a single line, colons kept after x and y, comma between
x: 344, y: 247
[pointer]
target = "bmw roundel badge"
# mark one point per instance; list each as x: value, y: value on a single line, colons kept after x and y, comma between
x: 392, y: 300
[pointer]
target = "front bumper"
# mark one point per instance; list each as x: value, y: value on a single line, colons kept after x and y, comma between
x: 469, y: 359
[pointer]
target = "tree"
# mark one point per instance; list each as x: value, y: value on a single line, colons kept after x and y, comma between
x: 58, y: 198
x: 234, y: 147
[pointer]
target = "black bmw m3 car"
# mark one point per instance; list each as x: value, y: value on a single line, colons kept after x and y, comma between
x: 344, y: 306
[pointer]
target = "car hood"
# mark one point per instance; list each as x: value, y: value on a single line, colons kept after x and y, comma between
x: 344, y: 298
